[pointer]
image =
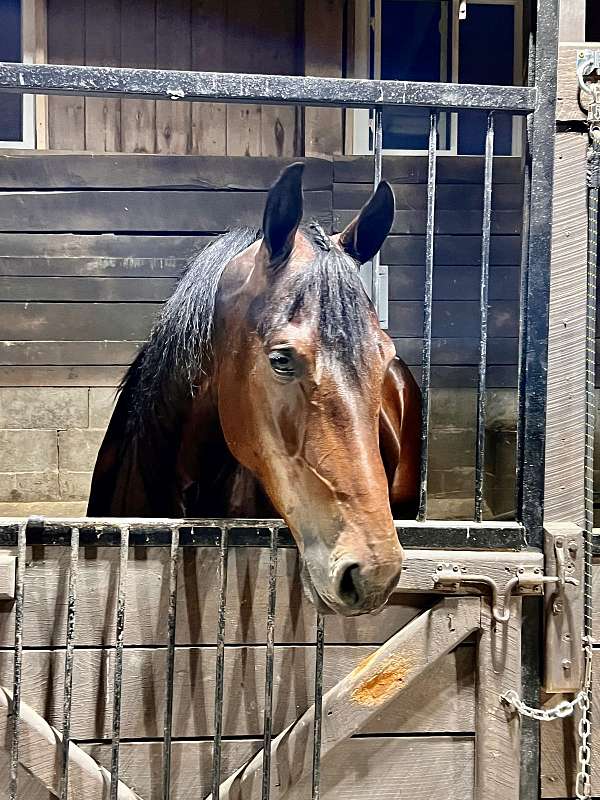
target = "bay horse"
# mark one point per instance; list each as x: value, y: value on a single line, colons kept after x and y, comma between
x: 267, y: 388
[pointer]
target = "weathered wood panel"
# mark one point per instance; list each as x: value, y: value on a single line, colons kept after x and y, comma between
x: 63, y: 354
x: 459, y: 223
x: 458, y: 318
x: 46, y: 601
x: 66, y: 35
x: 102, y: 47
x: 100, y: 375
x: 450, y: 250
x: 138, y: 40
x: 453, y: 283
x: 571, y: 103
x: 505, y: 197
x: 88, y: 289
x: 92, y: 211
x: 209, y: 120
x: 29, y: 787
x: 24, y: 170
x: 413, y: 169
x: 411, y: 767
x: 457, y: 351
x: 173, y: 51
x: 449, y: 707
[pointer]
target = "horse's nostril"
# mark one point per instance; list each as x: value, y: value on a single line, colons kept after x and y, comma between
x: 349, y: 588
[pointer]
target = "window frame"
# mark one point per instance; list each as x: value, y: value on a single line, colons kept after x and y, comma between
x: 28, y: 42
x: 361, y: 122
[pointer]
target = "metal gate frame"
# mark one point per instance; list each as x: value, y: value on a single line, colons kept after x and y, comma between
x: 501, y: 540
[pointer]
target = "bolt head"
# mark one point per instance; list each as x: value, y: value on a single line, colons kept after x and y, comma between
x: 566, y: 664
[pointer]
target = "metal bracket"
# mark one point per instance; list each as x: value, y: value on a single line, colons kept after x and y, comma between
x: 8, y: 569
x: 522, y: 580
x: 563, y: 608
x: 588, y: 62
x: 366, y: 272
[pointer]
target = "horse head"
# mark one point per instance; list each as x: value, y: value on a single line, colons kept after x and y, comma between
x: 299, y: 367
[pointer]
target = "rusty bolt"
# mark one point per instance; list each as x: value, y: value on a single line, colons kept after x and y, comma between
x: 566, y: 664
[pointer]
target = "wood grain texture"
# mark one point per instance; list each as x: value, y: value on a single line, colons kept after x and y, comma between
x: 450, y: 250
x: 93, y: 211
x: 571, y: 103
x: 64, y: 354
x: 102, y: 47
x: 407, y: 767
x: 209, y: 120
x: 408, y: 196
x: 446, y: 221
x: 413, y: 169
x: 138, y: 42
x: 173, y: 51
x: 29, y: 786
x: 453, y: 318
x: 377, y: 681
x: 498, y: 731
x: 66, y: 33
x: 323, y: 33
x: 62, y: 376
x: 565, y: 420
x: 441, y: 704
x: 24, y: 170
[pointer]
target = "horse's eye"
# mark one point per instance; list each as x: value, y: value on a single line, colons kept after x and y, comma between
x: 282, y: 363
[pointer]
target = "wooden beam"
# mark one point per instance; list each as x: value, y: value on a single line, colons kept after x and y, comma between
x: 572, y: 21
x: 349, y: 705
x: 40, y: 754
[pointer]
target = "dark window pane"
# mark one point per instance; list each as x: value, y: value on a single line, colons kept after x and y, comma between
x: 11, y: 117
x: 486, y: 56
x: 410, y: 50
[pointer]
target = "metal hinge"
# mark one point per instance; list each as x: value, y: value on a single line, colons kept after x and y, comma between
x: 523, y: 580
x: 383, y: 277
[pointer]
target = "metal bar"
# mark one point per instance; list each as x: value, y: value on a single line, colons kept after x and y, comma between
x: 170, y: 671
x: 433, y: 534
x: 69, y: 651
x: 483, y: 317
x: 318, y: 719
x: 269, y: 668
x: 18, y: 659
x: 162, y: 84
x: 118, y: 670
x: 377, y: 169
x: 427, y: 315
x: 220, y: 663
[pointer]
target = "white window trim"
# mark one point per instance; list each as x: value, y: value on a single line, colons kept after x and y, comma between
x: 27, y: 142
x: 358, y: 129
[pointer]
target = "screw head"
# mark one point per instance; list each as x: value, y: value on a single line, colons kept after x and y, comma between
x: 566, y: 664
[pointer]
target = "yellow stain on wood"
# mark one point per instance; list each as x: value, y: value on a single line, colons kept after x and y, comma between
x: 383, y: 683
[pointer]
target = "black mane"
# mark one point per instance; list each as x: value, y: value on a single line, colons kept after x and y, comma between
x: 179, y: 347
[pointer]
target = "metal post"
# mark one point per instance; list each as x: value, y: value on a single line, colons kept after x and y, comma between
x: 69, y: 652
x: 269, y: 668
x: 18, y: 659
x: 377, y: 169
x: 220, y: 663
x: 170, y: 671
x: 118, y: 673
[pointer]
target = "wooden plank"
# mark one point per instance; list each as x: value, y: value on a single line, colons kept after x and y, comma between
x: 505, y: 197
x: 96, y: 267
x: 498, y: 733
x: 572, y: 21
x: 453, y: 283
x: 104, y: 246
x: 209, y: 120
x: 103, y: 47
x: 29, y: 786
x: 143, y: 210
x: 61, y: 376
x: 565, y: 419
x: 452, y: 318
x: 363, y: 768
x: 323, y: 34
x: 66, y: 115
x: 25, y: 170
x: 138, y: 35
x: 450, y: 250
x: 448, y: 708
x: 446, y: 221
x: 40, y: 754
x: 74, y: 321
x: 86, y: 289
x: 413, y: 169
x: 46, y: 601
x: 571, y: 103
x: 173, y: 51
x: 457, y: 351
x: 40, y: 23
x: 62, y: 354
x: 351, y: 703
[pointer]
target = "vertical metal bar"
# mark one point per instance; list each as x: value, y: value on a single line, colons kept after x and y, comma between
x: 69, y: 651
x: 377, y: 170
x: 535, y: 363
x: 427, y: 315
x: 483, y: 317
x: 220, y: 664
x: 170, y: 671
x: 18, y: 658
x: 118, y: 673
x: 270, y: 658
x: 316, y: 765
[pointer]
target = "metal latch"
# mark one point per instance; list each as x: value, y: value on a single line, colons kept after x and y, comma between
x: 525, y: 580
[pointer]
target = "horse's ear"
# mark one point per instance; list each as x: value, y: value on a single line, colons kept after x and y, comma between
x: 366, y: 233
x: 283, y: 213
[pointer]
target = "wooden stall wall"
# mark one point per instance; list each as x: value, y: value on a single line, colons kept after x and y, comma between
x: 92, y: 245
x: 286, y: 37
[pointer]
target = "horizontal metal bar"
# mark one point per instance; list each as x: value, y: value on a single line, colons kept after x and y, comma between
x: 432, y: 535
x: 227, y: 87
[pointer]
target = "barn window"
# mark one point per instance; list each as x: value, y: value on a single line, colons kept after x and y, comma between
x: 16, y: 111
x: 474, y: 41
